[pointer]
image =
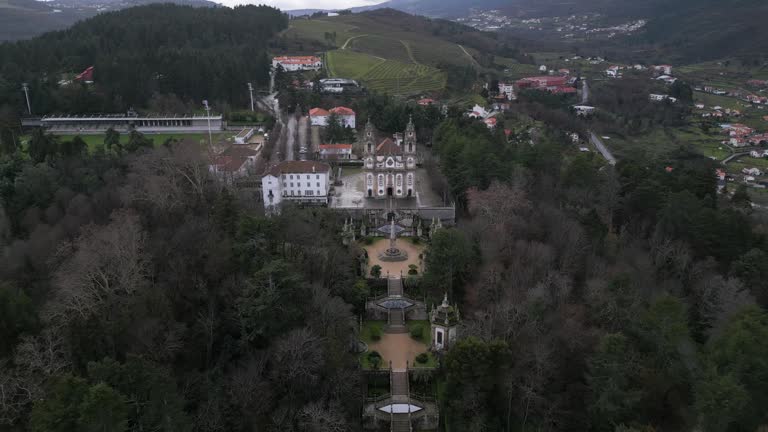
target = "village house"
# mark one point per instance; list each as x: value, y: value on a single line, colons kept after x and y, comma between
x: 335, y: 151
x: 613, y: 72
x: 320, y: 117
x: 508, y: 90
x: 297, y: 63
x: 752, y: 172
x: 663, y: 69
x: 668, y: 79
x: 478, y: 112
x: 584, y: 110
x: 758, y: 154
x: 491, y: 122
x: 302, y: 182
x: 426, y: 102
x: 233, y: 163
x: 546, y: 83
x: 661, y: 98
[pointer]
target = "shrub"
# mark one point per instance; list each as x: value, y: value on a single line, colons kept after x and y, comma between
x: 368, y: 241
x: 413, y: 270
x: 375, y: 334
x: 374, y: 358
x: 417, y: 332
x: 422, y: 358
x: 415, y: 240
x: 376, y: 271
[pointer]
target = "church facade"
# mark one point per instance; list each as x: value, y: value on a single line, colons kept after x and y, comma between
x: 390, y: 166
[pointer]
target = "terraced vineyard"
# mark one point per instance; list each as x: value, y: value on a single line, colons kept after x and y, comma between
x: 385, y: 76
x: 384, y: 47
x: 404, y: 79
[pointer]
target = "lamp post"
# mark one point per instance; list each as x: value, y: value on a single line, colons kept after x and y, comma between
x: 25, y: 87
x: 208, y: 111
x: 250, y: 90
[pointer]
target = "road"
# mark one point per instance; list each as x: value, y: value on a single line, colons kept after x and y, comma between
x: 290, y: 142
x: 303, y: 127
x: 600, y: 146
x: 584, y: 92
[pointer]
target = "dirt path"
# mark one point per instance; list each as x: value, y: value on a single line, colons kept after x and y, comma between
x: 303, y: 127
x: 350, y: 40
x: 399, y: 348
x: 472, y: 59
x: 410, y: 53
x: 291, y: 139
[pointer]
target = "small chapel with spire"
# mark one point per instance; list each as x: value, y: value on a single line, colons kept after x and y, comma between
x: 390, y: 165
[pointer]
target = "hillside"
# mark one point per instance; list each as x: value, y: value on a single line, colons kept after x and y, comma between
x: 394, y: 52
x: 681, y: 30
x: 186, y: 53
x: 24, y: 19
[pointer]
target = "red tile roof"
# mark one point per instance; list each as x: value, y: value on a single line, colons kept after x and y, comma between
x: 297, y: 59
x: 335, y: 146
x: 318, y: 112
x: 426, y: 101
x: 233, y: 158
x: 388, y: 147
x: 300, y: 167
x: 343, y: 111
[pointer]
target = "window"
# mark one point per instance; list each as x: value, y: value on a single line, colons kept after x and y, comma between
x: 318, y: 184
x: 285, y: 185
x: 291, y: 184
x: 317, y: 177
x: 291, y: 176
x: 307, y: 176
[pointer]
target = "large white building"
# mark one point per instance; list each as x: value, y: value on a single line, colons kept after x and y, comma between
x: 99, y: 123
x: 297, y: 63
x: 304, y: 182
x: 508, y: 90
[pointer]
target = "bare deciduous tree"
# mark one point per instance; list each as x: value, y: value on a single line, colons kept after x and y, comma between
x: 106, y: 262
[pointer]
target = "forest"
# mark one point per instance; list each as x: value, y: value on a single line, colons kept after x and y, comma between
x: 157, y: 56
x: 626, y: 299
x: 140, y: 294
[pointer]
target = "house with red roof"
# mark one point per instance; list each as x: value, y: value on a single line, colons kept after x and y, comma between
x: 426, y: 102
x: 233, y: 163
x: 491, y: 122
x: 554, y: 84
x: 297, y: 63
x: 320, y: 117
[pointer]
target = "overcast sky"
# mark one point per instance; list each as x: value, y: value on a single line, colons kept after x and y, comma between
x: 304, y: 4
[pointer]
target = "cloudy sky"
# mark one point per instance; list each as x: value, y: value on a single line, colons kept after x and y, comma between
x: 304, y: 4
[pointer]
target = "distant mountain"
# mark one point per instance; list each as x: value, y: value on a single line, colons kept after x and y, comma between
x: 24, y: 19
x: 684, y: 29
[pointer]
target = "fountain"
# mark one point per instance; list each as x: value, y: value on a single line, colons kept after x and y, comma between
x: 393, y: 253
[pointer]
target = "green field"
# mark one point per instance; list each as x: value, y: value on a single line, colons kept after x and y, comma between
x: 385, y: 76
x: 98, y: 139
x: 662, y: 141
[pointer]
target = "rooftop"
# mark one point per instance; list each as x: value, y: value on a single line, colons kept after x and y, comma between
x: 301, y: 167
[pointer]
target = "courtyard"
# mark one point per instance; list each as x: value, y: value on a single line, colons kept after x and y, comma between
x: 379, y: 245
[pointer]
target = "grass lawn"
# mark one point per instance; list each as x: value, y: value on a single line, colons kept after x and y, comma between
x: 426, y: 339
x: 94, y: 140
x: 316, y: 29
x: 367, y: 329
x: 663, y: 140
